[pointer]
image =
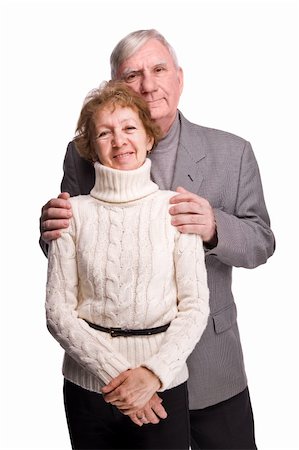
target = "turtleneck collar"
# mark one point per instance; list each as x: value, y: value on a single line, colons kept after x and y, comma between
x: 119, y: 186
x: 171, y: 138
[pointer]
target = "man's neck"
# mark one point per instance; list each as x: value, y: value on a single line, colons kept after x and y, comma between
x: 165, y: 124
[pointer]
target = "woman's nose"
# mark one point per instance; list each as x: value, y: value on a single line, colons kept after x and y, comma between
x: 118, y: 139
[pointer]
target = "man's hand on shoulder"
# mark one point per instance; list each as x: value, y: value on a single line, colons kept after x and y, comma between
x: 55, y: 217
x: 194, y: 214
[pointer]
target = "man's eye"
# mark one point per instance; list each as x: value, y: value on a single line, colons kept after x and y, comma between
x: 130, y: 77
x: 159, y: 69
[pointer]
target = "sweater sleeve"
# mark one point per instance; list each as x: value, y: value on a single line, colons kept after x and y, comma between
x: 84, y: 344
x: 193, y: 310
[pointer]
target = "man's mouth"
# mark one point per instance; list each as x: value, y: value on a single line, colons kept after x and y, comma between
x: 152, y: 102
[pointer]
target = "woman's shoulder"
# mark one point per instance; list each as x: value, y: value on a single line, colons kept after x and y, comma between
x: 165, y: 194
x: 82, y: 205
x: 81, y: 201
x: 161, y: 199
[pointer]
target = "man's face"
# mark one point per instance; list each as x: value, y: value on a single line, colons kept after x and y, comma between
x: 151, y: 72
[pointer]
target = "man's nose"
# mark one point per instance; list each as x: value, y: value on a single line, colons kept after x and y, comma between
x: 148, y: 83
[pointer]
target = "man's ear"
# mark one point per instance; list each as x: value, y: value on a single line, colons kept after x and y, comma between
x: 181, y: 79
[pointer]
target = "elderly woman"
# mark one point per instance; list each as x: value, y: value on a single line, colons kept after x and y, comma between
x: 127, y: 294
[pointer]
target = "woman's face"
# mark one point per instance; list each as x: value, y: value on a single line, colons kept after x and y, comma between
x: 121, y: 140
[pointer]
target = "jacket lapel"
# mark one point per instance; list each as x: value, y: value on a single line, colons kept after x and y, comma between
x: 190, y: 158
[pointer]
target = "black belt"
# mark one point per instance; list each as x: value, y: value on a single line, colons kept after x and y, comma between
x: 115, y: 332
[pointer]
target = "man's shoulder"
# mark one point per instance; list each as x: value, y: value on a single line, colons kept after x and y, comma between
x: 211, y: 135
x: 79, y: 175
x: 72, y: 152
x: 214, y: 133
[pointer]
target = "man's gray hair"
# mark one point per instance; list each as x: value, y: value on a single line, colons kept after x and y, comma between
x: 131, y: 43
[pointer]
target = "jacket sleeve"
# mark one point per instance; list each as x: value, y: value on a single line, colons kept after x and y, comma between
x: 78, y: 173
x: 244, y: 237
x: 84, y: 344
x: 193, y: 310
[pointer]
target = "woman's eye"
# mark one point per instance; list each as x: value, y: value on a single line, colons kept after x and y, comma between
x: 130, y: 128
x: 103, y: 134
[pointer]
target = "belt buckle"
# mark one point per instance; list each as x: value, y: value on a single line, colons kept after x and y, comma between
x: 116, y: 332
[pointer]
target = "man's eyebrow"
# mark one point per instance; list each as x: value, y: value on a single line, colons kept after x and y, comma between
x: 129, y: 70
x: 160, y: 63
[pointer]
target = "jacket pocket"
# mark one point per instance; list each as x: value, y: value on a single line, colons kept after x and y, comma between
x: 225, y: 319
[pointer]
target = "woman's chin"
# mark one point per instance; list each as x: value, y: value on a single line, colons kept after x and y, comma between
x: 127, y: 165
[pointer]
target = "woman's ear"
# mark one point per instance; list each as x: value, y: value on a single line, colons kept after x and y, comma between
x: 150, y: 144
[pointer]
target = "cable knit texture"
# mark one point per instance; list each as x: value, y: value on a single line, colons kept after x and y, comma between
x: 122, y: 264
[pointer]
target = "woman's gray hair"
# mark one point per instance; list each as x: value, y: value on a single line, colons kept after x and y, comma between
x: 131, y: 43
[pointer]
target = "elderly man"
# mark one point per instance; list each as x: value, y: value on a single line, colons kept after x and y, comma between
x: 220, y: 197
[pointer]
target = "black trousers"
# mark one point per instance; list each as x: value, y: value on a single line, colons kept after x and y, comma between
x: 228, y: 425
x: 94, y: 424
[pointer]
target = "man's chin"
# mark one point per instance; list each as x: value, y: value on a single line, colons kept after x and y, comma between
x: 156, y: 113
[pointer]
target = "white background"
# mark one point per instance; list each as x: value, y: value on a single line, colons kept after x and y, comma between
x: 241, y: 74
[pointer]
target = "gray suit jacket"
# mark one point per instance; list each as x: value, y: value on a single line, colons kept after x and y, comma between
x: 220, y: 167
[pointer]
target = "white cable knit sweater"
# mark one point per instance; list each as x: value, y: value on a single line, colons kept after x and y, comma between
x: 122, y: 264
